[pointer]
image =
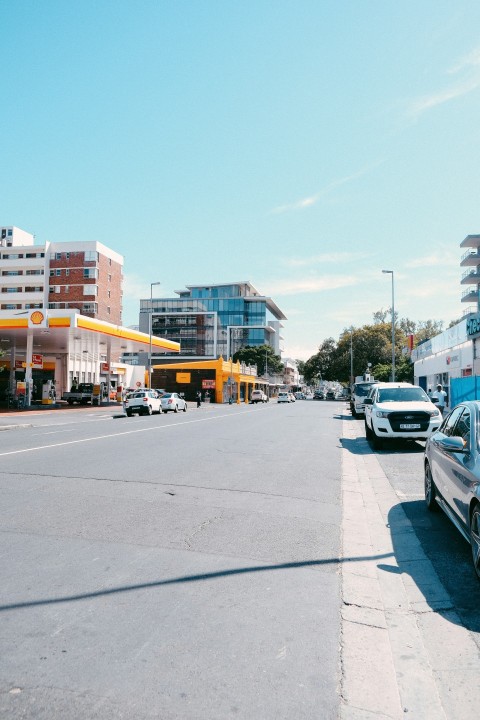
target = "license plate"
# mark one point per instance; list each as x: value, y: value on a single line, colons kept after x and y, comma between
x: 410, y: 426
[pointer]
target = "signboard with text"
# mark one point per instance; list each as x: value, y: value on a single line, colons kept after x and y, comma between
x: 208, y: 384
x: 183, y: 377
x: 37, y: 361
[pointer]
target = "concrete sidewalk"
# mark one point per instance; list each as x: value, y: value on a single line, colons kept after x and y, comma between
x: 404, y: 650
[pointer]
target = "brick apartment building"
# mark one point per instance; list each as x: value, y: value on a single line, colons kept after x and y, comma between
x: 84, y: 276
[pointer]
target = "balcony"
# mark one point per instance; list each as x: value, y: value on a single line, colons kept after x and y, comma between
x: 471, y: 277
x: 470, y: 295
x: 472, y: 310
x: 471, y: 257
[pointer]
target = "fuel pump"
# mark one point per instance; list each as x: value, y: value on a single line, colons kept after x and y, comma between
x: 48, y: 393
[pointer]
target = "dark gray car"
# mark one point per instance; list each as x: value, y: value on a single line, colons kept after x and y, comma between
x: 452, y: 472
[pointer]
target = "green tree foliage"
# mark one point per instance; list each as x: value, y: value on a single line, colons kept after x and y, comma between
x: 370, y: 344
x: 257, y: 355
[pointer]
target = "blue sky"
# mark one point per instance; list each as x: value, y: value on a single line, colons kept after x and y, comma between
x: 301, y: 145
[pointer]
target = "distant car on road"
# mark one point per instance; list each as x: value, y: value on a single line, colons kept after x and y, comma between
x: 283, y: 397
x: 452, y: 473
x: 172, y: 402
x: 143, y: 402
x: 258, y: 396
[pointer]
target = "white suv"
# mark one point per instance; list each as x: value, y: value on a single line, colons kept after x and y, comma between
x: 258, y: 396
x: 399, y: 410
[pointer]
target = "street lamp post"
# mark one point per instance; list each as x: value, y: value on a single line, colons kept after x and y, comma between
x: 150, y: 351
x: 390, y: 272
x: 351, y: 356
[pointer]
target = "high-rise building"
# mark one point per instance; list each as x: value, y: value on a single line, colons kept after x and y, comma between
x: 210, y: 321
x: 84, y: 276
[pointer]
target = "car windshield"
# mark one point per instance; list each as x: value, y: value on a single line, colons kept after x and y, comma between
x: 362, y: 390
x: 412, y: 394
x: 166, y: 395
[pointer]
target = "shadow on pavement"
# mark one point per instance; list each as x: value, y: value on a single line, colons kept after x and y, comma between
x: 189, y: 579
x: 448, y: 553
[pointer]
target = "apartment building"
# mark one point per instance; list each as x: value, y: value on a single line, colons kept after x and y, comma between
x: 211, y: 321
x: 84, y: 276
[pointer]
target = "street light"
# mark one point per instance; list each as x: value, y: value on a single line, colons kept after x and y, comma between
x: 150, y: 353
x: 390, y: 272
x: 351, y: 355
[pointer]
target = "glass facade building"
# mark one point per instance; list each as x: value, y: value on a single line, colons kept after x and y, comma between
x: 213, y: 320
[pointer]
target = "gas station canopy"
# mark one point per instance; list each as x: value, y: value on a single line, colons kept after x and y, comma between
x: 54, y: 332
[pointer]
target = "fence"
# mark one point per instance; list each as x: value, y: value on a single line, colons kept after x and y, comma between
x: 461, y: 389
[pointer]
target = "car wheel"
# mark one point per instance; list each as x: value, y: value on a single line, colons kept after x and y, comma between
x: 475, y: 538
x: 185, y: 408
x: 176, y: 408
x: 430, y: 489
x: 376, y: 441
x: 368, y: 432
x: 129, y: 413
x: 148, y: 410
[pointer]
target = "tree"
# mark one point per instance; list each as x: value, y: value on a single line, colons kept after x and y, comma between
x: 256, y: 355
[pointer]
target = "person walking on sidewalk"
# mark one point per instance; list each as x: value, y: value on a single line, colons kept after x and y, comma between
x: 441, y: 396
x: 199, y: 398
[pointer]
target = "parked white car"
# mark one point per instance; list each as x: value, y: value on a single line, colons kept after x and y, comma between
x: 258, y: 396
x: 172, y: 402
x: 143, y: 402
x: 399, y: 410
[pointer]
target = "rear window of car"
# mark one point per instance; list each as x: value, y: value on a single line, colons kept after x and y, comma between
x: 363, y: 389
x: 166, y: 395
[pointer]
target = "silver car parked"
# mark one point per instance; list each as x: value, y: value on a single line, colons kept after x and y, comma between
x: 172, y: 402
x: 452, y: 472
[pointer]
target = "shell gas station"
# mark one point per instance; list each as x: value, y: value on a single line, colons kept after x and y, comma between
x: 44, y: 351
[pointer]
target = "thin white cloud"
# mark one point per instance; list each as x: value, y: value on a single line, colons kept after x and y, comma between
x: 469, y: 66
x: 310, y: 285
x: 339, y: 257
x: 437, y: 259
x: 313, y: 199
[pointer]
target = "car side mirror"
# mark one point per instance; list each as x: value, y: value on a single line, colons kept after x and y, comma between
x: 368, y: 401
x: 453, y: 444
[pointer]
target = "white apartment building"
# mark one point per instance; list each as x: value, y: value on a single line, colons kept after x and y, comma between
x: 85, y: 276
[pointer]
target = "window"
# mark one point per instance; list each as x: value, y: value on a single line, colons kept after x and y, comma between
x: 52, y: 273
x: 108, y: 293
x: 67, y: 272
x: 91, y: 256
x: 449, y: 423
x: 462, y: 428
x: 67, y: 255
x: 109, y: 278
x: 57, y: 289
x: 90, y: 273
x: 90, y: 289
x: 66, y: 288
x: 58, y: 272
x: 58, y: 256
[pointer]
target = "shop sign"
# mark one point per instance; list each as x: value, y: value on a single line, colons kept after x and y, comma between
x: 104, y: 368
x: 473, y: 326
x: 183, y: 377
x: 208, y: 384
x: 452, y: 359
x: 20, y: 364
x: 37, y: 361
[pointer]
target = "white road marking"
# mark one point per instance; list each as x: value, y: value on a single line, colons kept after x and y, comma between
x: 119, y: 434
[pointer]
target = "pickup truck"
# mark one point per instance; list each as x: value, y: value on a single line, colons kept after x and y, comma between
x: 82, y: 395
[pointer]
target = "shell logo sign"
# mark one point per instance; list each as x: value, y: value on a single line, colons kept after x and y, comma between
x: 37, y: 319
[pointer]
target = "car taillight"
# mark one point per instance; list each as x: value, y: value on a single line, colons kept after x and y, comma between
x: 170, y: 402
x: 145, y: 399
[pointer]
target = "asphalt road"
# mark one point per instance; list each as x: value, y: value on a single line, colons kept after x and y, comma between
x: 180, y: 566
